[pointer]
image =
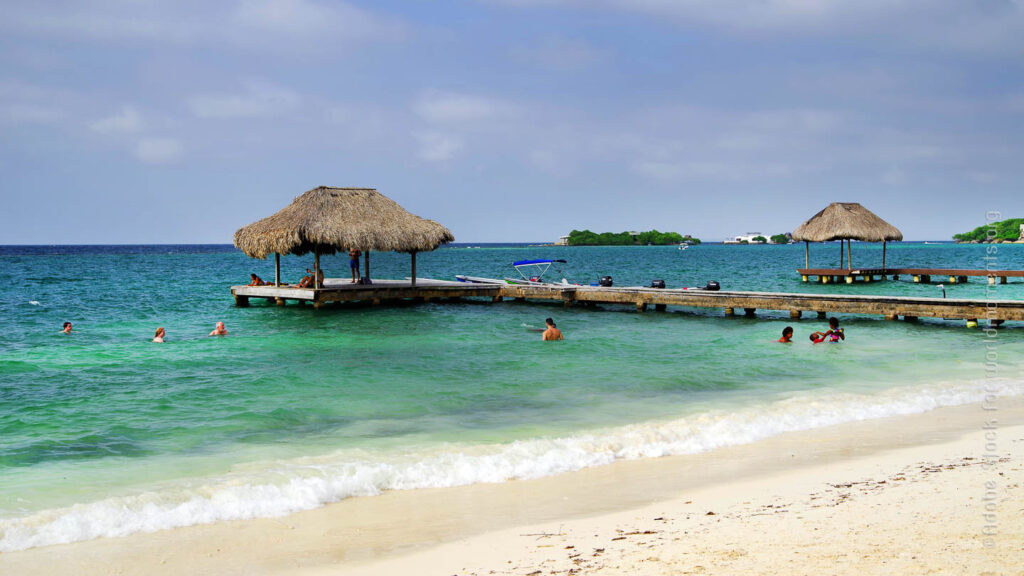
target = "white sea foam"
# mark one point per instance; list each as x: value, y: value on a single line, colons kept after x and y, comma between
x: 285, y: 487
x: 35, y: 302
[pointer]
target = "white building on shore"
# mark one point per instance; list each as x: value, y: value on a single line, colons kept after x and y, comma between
x: 748, y: 238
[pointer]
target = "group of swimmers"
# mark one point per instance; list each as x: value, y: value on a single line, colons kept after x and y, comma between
x: 307, y: 280
x: 833, y: 334
x: 218, y: 330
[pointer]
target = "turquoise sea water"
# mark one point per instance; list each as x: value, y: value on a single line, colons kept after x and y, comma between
x: 104, y: 433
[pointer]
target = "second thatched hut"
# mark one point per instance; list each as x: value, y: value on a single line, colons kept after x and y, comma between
x: 327, y: 220
x: 845, y: 221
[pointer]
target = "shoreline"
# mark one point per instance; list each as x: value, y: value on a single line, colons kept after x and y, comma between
x: 381, y: 534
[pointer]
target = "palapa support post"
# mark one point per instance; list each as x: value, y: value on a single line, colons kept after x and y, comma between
x: 277, y: 268
x: 883, y: 258
x: 366, y: 264
x: 842, y: 245
x: 316, y: 269
x: 849, y: 253
x: 807, y: 256
x: 413, y: 268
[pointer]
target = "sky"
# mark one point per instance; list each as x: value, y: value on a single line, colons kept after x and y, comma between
x: 179, y: 121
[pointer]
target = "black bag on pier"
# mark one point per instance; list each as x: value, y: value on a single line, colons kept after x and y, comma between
x: 605, y: 281
x: 657, y: 283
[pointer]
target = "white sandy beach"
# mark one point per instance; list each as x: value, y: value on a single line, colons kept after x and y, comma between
x: 925, y: 494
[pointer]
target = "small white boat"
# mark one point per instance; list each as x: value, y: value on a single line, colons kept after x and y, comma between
x: 683, y: 246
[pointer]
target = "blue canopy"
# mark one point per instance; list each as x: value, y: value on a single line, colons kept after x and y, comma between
x: 521, y: 262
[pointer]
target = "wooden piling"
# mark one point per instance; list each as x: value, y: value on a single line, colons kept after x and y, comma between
x: 749, y: 312
x: 279, y: 301
x: 730, y: 312
x: 795, y: 314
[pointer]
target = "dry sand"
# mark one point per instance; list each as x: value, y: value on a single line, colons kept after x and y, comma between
x: 923, y: 494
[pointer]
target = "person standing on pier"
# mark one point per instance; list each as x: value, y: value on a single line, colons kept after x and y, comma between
x: 353, y: 263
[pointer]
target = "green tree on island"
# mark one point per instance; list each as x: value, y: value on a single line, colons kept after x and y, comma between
x: 1004, y: 230
x: 779, y: 239
x: 588, y: 238
x: 759, y: 240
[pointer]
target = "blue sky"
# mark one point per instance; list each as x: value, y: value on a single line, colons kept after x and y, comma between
x: 156, y: 121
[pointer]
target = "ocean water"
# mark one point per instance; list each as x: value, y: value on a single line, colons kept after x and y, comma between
x: 104, y: 433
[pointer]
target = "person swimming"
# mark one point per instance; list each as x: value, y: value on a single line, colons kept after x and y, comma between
x: 817, y: 337
x: 835, y: 333
x: 219, y: 330
x: 552, y: 332
x: 787, y: 335
x: 159, y: 336
x: 66, y: 328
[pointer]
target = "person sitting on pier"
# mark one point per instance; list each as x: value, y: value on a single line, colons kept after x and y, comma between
x: 307, y: 280
x: 353, y: 263
x: 159, y: 336
x: 67, y: 328
x: 787, y: 335
x: 219, y: 330
x: 552, y: 332
x: 835, y: 333
x: 256, y: 281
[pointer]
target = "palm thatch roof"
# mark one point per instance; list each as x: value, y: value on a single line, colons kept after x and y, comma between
x: 846, y: 220
x: 329, y: 220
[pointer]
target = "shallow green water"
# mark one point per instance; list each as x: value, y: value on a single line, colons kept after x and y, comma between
x: 104, y: 433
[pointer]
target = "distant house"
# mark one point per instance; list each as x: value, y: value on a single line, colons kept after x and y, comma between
x: 562, y: 241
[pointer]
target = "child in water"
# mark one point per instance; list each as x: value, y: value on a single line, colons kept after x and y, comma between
x: 787, y: 335
x: 835, y: 333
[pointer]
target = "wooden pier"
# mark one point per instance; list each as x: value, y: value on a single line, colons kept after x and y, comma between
x: 921, y: 275
x: 380, y: 292
x: 795, y: 304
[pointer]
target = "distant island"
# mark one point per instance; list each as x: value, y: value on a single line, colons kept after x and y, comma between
x: 650, y: 237
x: 1011, y: 230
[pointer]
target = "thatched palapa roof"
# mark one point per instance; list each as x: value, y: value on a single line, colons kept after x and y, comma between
x: 846, y: 220
x: 329, y: 220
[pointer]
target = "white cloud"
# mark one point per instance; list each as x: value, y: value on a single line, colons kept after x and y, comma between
x: 158, y: 150
x: 437, y: 146
x: 127, y: 121
x: 312, y: 23
x: 258, y: 99
x: 439, y: 107
x: 279, y: 26
x: 995, y: 26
